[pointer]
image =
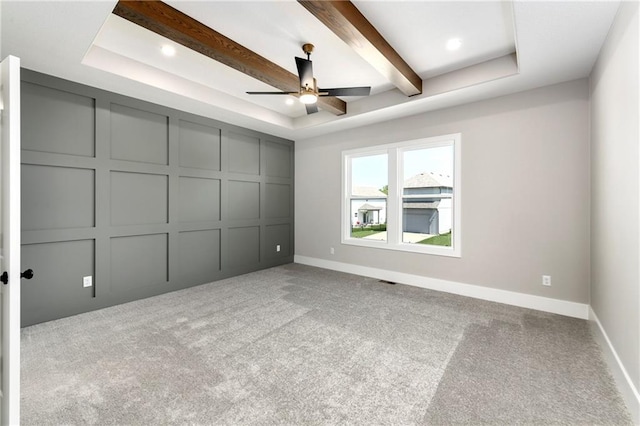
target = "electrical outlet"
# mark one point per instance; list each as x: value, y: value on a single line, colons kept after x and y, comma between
x: 546, y: 280
x: 87, y: 281
x: 332, y: 251
x: 278, y: 247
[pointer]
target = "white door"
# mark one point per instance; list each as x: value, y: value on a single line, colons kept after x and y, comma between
x: 10, y: 241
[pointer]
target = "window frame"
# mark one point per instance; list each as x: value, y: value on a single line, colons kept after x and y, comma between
x: 395, y: 154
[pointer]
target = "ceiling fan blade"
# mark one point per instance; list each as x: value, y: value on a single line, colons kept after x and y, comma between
x: 272, y: 93
x: 346, y: 91
x: 311, y: 108
x: 305, y: 72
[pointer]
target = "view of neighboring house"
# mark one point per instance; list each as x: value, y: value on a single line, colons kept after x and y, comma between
x: 427, y: 203
x: 368, y: 206
x: 426, y: 207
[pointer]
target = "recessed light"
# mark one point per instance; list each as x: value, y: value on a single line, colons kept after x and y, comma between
x: 289, y: 101
x: 454, y: 44
x: 168, y: 50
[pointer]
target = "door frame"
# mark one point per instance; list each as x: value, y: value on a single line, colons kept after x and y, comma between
x: 11, y: 228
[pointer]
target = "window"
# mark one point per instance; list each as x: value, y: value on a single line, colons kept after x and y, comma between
x: 368, y: 198
x: 404, y: 196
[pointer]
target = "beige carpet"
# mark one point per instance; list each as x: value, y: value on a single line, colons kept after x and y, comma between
x: 299, y: 345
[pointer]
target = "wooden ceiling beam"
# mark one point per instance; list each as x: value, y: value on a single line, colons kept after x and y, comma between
x: 168, y: 22
x: 345, y: 20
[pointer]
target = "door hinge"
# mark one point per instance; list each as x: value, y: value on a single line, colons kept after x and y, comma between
x: 4, y: 277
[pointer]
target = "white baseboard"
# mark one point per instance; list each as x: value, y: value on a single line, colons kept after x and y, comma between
x: 545, y: 304
x: 625, y: 385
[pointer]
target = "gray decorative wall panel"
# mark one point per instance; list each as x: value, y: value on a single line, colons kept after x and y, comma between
x: 244, y: 200
x: 143, y: 198
x: 57, y: 282
x: 199, y: 199
x: 138, y: 135
x: 244, y: 153
x: 46, y: 109
x: 278, y: 205
x: 277, y: 159
x: 199, y: 255
x: 139, y: 261
x: 244, y: 246
x: 138, y: 198
x: 199, y: 146
x: 277, y: 235
x: 57, y: 197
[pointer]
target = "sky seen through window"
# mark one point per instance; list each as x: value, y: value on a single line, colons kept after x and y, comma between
x: 372, y: 170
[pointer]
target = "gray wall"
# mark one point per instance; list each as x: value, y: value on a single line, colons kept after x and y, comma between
x: 525, y: 183
x: 615, y: 181
x: 143, y: 198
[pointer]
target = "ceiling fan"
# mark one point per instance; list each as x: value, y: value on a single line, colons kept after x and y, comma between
x: 309, y: 91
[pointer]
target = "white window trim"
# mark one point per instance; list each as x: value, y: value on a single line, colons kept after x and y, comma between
x: 394, y: 210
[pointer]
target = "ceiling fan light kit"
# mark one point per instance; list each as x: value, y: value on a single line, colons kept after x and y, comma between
x: 308, y: 92
x: 308, y: 98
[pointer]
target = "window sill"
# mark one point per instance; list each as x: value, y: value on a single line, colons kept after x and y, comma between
x: 405, y: 247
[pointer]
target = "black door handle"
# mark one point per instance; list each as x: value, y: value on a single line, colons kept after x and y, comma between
x: 27, y: 275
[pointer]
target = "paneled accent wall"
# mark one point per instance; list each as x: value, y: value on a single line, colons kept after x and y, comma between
x: 143, y: 198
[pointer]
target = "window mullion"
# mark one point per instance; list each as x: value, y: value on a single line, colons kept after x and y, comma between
x: 394, y: 207
x: 346, y: 197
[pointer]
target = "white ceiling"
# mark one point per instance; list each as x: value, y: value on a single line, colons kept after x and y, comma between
x: 82, y: 41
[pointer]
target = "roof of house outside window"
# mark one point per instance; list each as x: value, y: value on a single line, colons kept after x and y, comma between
x: 367, y: 191
x: 429, y: 180
x: 369, y: 207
